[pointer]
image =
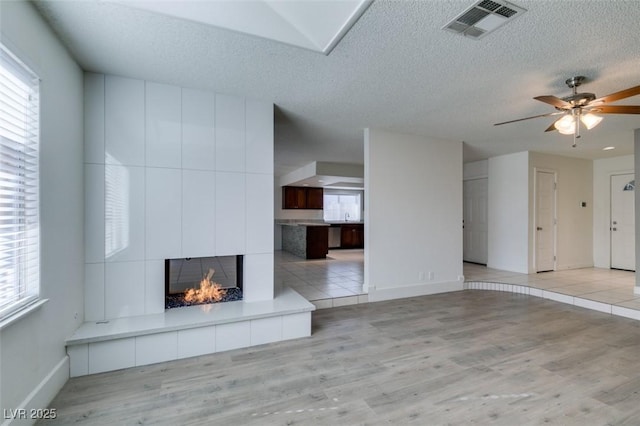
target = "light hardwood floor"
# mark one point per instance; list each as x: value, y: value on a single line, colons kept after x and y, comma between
x: 469, y: 357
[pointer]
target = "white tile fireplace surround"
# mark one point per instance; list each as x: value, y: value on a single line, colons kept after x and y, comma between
x: 172, y: 173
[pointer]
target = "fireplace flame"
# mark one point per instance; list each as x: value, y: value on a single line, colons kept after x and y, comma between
x: 207, y: 293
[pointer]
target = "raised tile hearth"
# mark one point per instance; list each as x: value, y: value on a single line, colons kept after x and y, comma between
x: 185, y: 332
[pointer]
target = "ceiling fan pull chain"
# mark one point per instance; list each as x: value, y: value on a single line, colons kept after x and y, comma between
x: 576, y: 134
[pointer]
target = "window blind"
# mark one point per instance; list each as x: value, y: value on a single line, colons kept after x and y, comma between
x: 19, y: 185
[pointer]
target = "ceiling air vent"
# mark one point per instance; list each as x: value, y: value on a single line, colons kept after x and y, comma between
x: 483, y: 17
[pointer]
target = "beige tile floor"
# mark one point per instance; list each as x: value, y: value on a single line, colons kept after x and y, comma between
x: 338, y: 279
x: 610, y: 286
x: 326, y: 282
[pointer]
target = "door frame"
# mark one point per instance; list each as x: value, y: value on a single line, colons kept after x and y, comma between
x: 534, y: 222
x: 607, y: 207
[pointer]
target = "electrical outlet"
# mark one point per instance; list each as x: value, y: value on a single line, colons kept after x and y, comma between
x: 421, y: 276
x: 430, y: 275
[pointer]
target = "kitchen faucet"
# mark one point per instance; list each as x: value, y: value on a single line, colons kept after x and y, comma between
x: 346, y: 217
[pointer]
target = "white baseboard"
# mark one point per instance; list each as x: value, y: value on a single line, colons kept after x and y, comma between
x: 42, y: 395
x: 413, y: 290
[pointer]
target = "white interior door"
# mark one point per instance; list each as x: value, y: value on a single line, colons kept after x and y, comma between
x: 623, y: 253
x: 545, y: 221
x: 475, y: 221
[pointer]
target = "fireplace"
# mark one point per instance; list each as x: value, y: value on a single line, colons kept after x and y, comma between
x: 202, y: 280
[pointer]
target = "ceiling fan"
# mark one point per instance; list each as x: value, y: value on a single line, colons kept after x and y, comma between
x: 582, y: 107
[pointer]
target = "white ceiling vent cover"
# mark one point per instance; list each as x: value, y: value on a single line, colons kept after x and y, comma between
x: 483, y: 17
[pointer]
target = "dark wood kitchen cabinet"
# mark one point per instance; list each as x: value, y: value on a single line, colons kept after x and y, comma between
x: 315, y: 198
x: 294, y: 197
x: 351, y: 236
x: 301, y: 197
x: 317, y: 242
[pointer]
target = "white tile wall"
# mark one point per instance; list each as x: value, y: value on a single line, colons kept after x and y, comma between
x: 124, y: 213
x: 266, y: 330
x: 175, y: 184
x: 124, y: 120
x: 198, y: 130
x: 259, y: 222
x: 163, y: 213
x: 163, y: 121
x: 78, y: 360
x: 159, y: 347
x: 94, y: 292
x: 153, y: 292
x: 230, y: 133
x: 124, y: 289
x: 230, y: 213
x: 258, y: 277
x: 94, y: 213
x: 112, y: 355
x: 259, y: 127
x: 296, y: 326
x: 94, y: 118
x: 233, y: 336
x: 196, y: 341
x: 198, y: 213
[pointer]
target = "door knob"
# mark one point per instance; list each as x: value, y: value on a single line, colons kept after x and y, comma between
x: 614, y: 229
x: 539, y: 228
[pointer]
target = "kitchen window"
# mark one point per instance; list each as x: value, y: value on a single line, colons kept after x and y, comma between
x: 19, y: 185
x: 342, y: 206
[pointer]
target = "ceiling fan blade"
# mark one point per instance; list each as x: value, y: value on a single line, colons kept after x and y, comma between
x: 552, y: 127
x: 632, y: 91
x: 553, y: 100
x: 616, y: 109
x: 529, y: 118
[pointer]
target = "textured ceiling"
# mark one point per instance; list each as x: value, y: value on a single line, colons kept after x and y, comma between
x: 396, y: 70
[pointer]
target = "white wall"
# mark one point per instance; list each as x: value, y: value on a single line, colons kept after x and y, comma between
x: 172, y: 173
x: 636, y: 163
x: 33, y: 361
x: 476, y: 170
x: 602, y: 171
x: 413, y: 215
x: 574, y: 239
x: 508, y: 212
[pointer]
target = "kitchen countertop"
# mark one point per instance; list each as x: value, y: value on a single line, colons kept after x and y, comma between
x: 305, y: 224
x: 319, y: 223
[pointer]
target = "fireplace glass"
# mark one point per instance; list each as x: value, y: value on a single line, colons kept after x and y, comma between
x: 201, y: 280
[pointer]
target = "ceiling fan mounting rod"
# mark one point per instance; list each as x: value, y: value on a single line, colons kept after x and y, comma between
x: 574, y: 82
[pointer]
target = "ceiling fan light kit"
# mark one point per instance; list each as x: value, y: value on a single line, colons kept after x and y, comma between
x: 580, y: 107
x: 566, y: 125
x: 590, y: 120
